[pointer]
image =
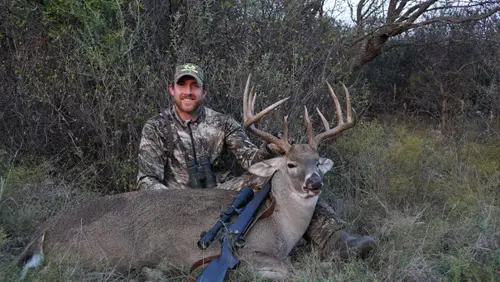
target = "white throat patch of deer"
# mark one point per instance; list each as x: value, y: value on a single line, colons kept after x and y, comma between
x: 131, y: 230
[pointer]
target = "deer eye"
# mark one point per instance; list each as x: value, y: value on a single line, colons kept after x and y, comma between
x: 290, y: 165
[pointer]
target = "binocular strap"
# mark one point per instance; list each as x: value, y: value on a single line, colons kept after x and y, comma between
x: 266, y: 212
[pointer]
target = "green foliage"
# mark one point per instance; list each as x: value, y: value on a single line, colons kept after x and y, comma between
x: 406, y: 163
x: 99, y: 16
x: 485, y: 158
x: 28, y: 172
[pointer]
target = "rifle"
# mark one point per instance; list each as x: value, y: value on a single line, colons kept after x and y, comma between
x: 232, y: 238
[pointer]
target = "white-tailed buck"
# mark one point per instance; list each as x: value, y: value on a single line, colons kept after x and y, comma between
x: 131, y: 230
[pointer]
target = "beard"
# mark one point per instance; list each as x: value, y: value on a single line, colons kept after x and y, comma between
x: 188, y: 103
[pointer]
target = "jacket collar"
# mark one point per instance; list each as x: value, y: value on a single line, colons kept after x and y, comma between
x: 200, y: 116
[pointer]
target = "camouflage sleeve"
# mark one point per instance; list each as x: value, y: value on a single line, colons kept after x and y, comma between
x: 323, y: 224
x: 245, y: 151
x: 151, y: 158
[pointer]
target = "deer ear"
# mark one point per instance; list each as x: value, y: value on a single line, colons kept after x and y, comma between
x: 325, y: 165
x: 266, y: 168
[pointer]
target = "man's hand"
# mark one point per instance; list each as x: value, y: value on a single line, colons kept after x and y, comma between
x: 272, y: 149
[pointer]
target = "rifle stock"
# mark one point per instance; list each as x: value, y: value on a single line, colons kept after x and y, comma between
x: 217, y: 269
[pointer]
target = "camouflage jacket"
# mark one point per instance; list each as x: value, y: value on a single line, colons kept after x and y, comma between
x: 211, y: 132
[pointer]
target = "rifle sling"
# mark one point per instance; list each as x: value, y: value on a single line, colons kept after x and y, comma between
x: 169, y: 145
x: 199, y: 263
x: 266, y: 212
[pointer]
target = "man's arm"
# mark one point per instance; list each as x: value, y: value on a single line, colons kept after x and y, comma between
x: 244, y: 150
x: 151, y: 160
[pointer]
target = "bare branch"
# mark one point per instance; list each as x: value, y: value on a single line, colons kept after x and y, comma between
x: 359, y: 16
x: 422, y: 8
x: 455, y: 20
x: 400, y: 8
x: 391, y: 11
x: 407, y: 14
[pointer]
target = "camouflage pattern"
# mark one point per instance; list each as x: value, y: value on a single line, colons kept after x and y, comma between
x: 191, y: 70
x: 324, y: 224
x: 212, y: 133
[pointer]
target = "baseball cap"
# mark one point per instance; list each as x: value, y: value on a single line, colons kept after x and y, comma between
x: 191, y: 70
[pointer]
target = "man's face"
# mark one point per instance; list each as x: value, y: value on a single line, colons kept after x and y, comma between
x: 188, y: 95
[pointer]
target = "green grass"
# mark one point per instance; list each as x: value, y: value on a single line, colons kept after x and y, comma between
x: 433, y: 202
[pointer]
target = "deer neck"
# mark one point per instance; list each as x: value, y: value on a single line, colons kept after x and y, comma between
x: 293, y: 212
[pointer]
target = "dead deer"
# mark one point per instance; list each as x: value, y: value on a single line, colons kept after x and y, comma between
x: 131, y: 230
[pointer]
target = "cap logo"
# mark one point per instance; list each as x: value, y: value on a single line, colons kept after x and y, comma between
x: 190, y: 68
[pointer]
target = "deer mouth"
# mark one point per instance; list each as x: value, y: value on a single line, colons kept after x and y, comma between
x: 313, y: 185
x: 313, y: 189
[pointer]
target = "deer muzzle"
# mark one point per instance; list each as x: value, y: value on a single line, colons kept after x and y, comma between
x: 314, y: 184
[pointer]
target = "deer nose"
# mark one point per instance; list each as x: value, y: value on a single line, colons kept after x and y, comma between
x: 314, y: 182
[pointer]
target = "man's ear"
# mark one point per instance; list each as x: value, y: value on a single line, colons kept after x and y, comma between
x: 266, y: 168
x: 171, y: 89
x: 205, y: 92
x: 324, y: 165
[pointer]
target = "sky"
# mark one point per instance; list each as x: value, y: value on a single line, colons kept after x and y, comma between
x: 340, y: 9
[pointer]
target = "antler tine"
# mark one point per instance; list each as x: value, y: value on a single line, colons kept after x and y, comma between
x: 252, y: 98
x: 323, y: 119
x: 245, y: 97
x: 309, y: 129
x: 249, y: 118
x: 285, y: 130
x: 341, y: 126
x: 338, y: 109
x: 349, y: 115
x: 255, y: 118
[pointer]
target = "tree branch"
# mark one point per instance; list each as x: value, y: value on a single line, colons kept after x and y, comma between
x: 455, y: 20
x: 402, y: 5
x: 372, y: 42
x: 391, y: 11
x: 423, y: 7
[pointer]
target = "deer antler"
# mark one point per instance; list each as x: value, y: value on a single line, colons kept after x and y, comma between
x: 350, y: 117
x: 249, y: 119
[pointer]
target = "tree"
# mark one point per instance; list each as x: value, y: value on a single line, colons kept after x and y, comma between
x: 379, y: 20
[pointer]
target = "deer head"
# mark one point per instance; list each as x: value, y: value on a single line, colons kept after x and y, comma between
x: 300, y: 165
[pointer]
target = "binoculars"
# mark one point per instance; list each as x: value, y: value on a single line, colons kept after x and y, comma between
x: 201, y: 174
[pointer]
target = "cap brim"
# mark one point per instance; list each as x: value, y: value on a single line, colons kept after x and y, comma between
x: 200, y: 82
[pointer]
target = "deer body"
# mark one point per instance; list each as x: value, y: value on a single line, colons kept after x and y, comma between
x: 136, y: 229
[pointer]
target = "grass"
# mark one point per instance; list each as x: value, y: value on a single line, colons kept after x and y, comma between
x: 433, y: 204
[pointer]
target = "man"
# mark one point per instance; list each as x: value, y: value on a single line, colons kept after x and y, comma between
x: 188, y: 132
